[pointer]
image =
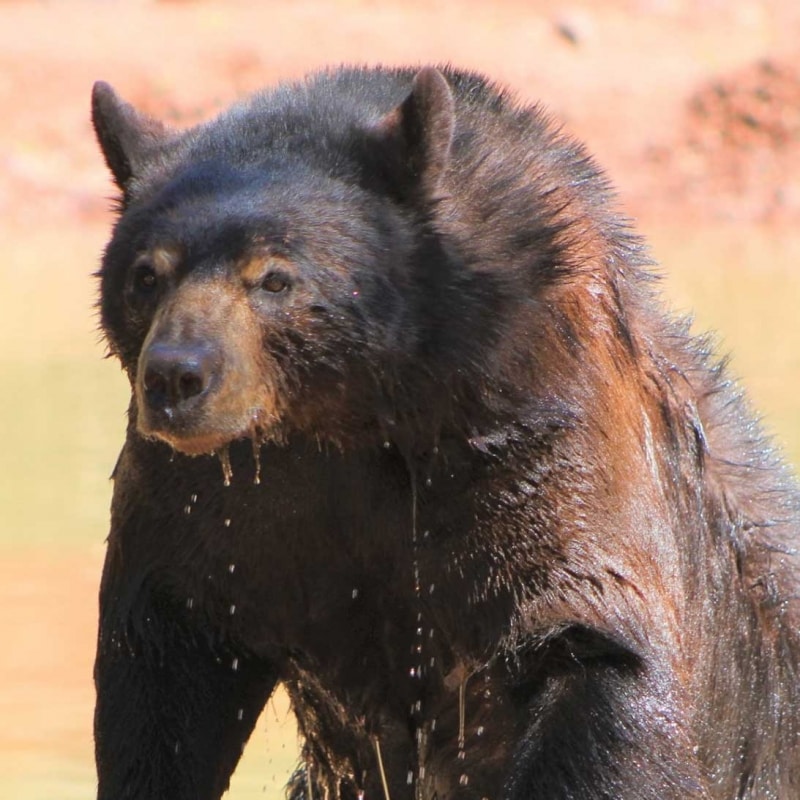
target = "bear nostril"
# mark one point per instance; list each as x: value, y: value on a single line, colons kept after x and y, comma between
x: 156, y: 387
x: 191, y: 383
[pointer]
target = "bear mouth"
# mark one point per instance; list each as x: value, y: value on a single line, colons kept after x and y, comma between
x: 190, y: 433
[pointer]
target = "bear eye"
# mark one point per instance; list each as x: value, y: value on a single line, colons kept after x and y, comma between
x: 145, y: 279
x: 275, y: 282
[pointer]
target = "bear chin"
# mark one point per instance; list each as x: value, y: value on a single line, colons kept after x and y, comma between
x: 198, y: 441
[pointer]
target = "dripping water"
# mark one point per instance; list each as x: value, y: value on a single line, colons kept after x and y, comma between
x: 417, y: 647
x: 224, y: 456
x: 462, y: 741
x: 462, y: 704
x: 257, y: 459
x: 377, y: 745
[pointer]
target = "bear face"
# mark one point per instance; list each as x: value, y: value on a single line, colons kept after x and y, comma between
x: 258, y: 298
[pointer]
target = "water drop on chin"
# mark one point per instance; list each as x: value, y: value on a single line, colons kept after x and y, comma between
x: 224, y: 456
x: 257, y: 460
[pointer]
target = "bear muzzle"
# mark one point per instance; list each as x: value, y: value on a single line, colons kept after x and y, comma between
x: 176, y: 386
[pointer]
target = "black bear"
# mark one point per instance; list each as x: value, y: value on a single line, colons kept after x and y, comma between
x: 410, y: 434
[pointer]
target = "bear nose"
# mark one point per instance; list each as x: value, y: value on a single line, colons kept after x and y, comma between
x: 175, y: 374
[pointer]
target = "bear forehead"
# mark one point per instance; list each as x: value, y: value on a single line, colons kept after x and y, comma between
x: 220, y: 211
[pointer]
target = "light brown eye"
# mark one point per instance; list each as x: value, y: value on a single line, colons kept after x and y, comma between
x: 275, y: 282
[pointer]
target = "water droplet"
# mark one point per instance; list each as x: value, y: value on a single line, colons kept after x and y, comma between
x: 235, y: 664
x: 428, y: 482
x: 430, y: 633
x: 225, y: 461
x: 433, y: 725
x: 480, y: 730
x: 194, y: 498
x: 233, y: 609
x: 177, y: 747
x: 240, y: 714
x: 227, y: 523
x: 387, y: 444
x: 412, y: 673
x: 410, y: 778
x: 189, y: 602
x: 257, y: 459
x: 355, y: 593
x: 463, y: 780
x: 231, y: 568
x: 418, y: 706
x: 461, y: 755
x: 419, y: 631
x: 187, y: 509
x: 432, y: 587
x: 462, y: 706
x: 433, y: 662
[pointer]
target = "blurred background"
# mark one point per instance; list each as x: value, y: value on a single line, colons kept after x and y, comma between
x: 693, y: 106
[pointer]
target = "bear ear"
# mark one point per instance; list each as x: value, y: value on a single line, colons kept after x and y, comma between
x: 423, y: 124
x: 127, y: 137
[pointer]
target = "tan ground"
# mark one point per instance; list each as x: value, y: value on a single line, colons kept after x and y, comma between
x: 692, y: 105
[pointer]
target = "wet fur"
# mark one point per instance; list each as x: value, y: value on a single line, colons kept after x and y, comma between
x: 501, y: 440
